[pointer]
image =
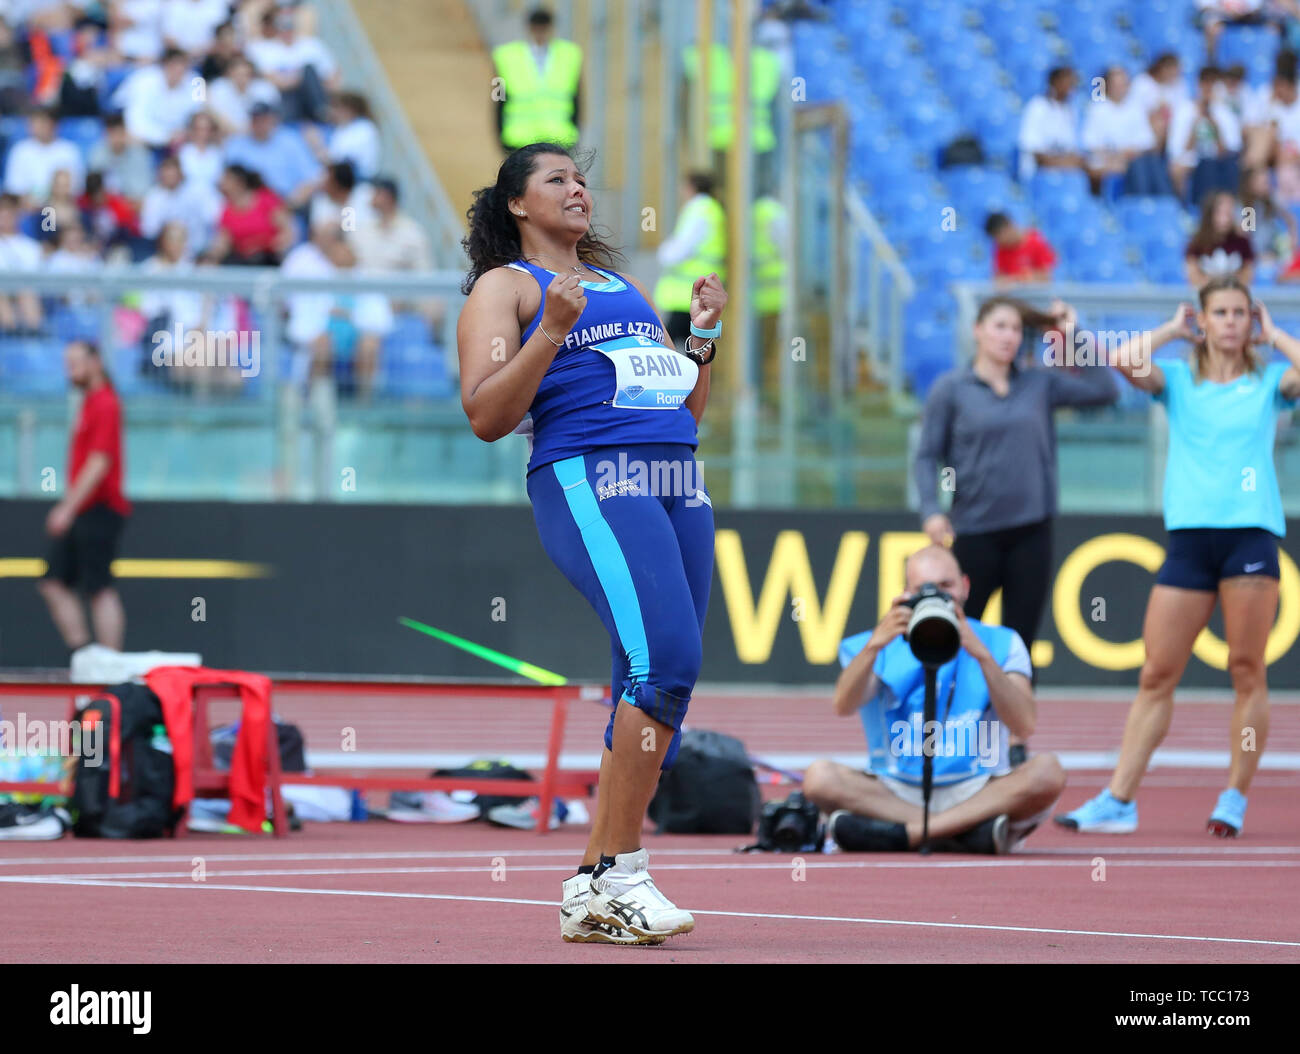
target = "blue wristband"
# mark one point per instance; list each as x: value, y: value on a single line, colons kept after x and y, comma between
x: 707, y: 334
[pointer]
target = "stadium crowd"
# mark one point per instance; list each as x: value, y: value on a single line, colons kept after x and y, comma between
x: 182, y: 134
x: 1228, y: 150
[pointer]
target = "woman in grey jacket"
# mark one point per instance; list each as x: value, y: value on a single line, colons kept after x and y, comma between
x: 989, y: 438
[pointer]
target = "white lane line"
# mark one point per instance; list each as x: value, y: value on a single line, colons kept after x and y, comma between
x: 1165, y: 757
x: 696, y: 911
x: 779, y: 865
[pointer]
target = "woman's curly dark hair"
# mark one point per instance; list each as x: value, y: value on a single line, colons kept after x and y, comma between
x: 493, y: 238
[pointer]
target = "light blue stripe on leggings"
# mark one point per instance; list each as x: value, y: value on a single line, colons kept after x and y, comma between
x: 610, y: 564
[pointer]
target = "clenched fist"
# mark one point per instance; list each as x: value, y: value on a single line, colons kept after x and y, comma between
x: 708, y: 298
x: 565, y: 302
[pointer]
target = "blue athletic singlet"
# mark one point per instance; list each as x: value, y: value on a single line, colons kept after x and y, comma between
x: 620, y: 505
x: 612, y: 382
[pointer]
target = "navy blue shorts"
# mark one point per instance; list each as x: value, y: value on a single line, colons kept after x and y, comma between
x: 1200, y: 557
x: 632, y: 529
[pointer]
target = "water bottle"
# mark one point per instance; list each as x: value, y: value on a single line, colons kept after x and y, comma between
x: 160, y: 741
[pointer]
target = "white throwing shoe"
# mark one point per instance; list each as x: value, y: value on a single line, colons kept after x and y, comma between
x: 576, y: 926
x: 626, y: 896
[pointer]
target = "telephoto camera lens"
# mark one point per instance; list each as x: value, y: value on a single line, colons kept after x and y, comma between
x: 932, y: 632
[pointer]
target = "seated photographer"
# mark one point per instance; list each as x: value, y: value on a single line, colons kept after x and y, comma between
x: 979, y: 803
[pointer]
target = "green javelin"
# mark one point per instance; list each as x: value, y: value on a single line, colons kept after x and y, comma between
x: 523, y: 669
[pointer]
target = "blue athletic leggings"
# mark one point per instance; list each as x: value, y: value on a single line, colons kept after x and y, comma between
x: 632, y: 528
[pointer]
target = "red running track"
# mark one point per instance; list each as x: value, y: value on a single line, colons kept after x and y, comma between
x: 382, y: 892
x: 785, y: 723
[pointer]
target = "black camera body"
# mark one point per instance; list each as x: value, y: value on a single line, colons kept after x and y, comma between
x: 791, y: 826
x: 933, y: 632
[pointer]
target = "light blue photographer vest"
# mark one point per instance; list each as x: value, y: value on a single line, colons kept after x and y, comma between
x: 895, y: 733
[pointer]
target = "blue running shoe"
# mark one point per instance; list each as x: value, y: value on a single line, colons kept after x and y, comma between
x: 1229, y: 814
x: 1104, y: 814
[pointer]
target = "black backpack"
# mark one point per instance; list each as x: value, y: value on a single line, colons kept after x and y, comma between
x: 964, y: 150
x: 147, y: 777
x: 489, y: 769
x: 293, y: 755
x: 710, y: 789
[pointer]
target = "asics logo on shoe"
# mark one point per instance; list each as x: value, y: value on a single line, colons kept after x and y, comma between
x: 628, y: 913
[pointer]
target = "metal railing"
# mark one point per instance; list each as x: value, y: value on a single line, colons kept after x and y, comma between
x: 253, y: 423
x: 876, y: 320
x: 423, y: 196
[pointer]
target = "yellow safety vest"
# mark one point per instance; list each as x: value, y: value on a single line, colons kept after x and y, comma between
x: 769, y: 259
x: 765, y: 82
x: 539, y: 103
x: 673, y: 290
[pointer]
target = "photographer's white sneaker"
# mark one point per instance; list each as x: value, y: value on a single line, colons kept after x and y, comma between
x: 577, y: 927
x: 626, y: 896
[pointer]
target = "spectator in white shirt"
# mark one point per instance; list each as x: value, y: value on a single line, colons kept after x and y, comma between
x: 176, y: 312
x: 231, y: 98
x: 1276, y: 121
x: 1204, y: 141
x: 201, y: 156
x: 58, y: 208
x: 353, y: 138
x: 310, y: 313
x: 135, y: 29
x: 1159, y: 91
x: 33, y: 161
x: 127, y: 166
x: 1115, y: 130
x: 1236, y: 93
x: 1279, y: 140
x: 74, y: 253
x: 301, y: 67
x: 1049, y: 127
x: 172, y: 200
x: 387, y: 241
x: 22, y: 310
x: 158, y: 100
x: 191, y: 25
x: 341, y: 202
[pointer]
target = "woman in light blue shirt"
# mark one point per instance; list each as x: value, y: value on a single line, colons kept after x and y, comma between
x: 1223, y: 512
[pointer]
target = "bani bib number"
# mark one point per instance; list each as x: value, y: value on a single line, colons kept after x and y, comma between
x: 648, y: 375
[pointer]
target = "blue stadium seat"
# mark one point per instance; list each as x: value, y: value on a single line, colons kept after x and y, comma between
x: 84, y: 132
x: 13, y: 127
x: 32, y: 365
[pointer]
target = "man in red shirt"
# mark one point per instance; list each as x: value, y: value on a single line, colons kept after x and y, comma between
x: 1018, y: 255
x: 87, y: 522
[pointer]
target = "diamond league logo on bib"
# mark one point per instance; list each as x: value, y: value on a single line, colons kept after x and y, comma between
x: 648, y: 375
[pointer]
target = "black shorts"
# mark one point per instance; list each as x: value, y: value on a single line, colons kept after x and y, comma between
x: 82, y: 557
x: 1199, y: 557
